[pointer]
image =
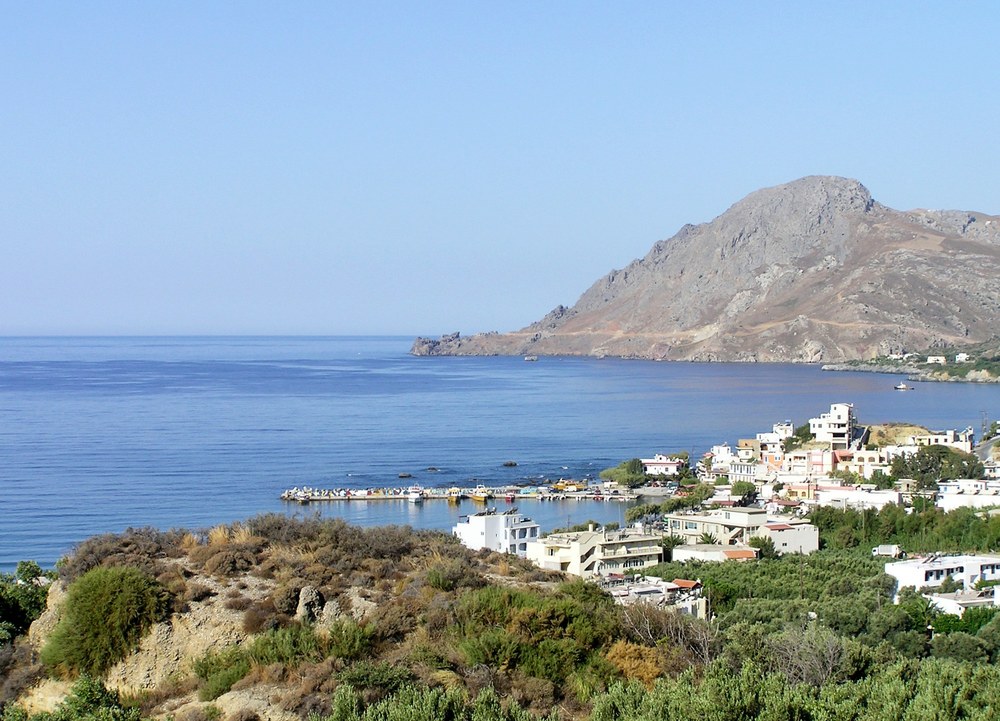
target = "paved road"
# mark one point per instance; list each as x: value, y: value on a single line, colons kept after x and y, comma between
x: 984, y: 449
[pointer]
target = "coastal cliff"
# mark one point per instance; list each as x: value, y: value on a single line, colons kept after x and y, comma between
x: 811, y: 271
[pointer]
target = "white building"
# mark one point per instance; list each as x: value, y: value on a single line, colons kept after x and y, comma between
x: 792, y: 536
x: 726, y: 525
x: 857, y: 497
x: 961, y: 601
x: 967, y: 493
x: 836, y: 427
x: 961, y: 357
x: 662, y: 465
x: 507, y: 532
x: 960, y: 440
x: 713, y: 552
x: 938, y: 359
x: 596, y: 553
x: 934, y: 569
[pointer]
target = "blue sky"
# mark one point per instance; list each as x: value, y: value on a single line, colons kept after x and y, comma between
x: 421, y: 168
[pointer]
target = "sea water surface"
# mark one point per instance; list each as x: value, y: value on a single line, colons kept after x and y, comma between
x: 100, y: 434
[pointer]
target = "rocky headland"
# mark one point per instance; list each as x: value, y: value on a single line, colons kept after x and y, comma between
x: 814, y: 270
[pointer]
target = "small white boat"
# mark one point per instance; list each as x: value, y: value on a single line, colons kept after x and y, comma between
x: 415, y: 494
x: 531, y: 358
x: 902, y: 387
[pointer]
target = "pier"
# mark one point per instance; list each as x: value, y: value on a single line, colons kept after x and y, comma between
x: 481, y: 494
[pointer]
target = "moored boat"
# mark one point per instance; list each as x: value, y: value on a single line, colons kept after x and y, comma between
x: 415, y: 494
x: 481, y: 494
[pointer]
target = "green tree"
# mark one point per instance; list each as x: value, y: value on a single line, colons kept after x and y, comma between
x: 107, y: 610
x: 669, y: 543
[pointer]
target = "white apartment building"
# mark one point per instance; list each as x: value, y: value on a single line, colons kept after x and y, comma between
x: 967, y: 493
x: 727, y: 525
x: 506, y: 532
x: 836, y: 427
x: 932, y: 570
x: 593, y: 553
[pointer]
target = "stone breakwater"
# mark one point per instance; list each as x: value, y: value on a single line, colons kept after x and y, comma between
x: 508, y: 493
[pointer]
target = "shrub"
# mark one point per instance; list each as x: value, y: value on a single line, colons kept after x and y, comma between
x: 286, y: 646
x: 348, y: 640
x: 385, y: 678
x: 107, y: 611
x: 219, y: 671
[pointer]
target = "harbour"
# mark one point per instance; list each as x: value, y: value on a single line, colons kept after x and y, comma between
x: 480, y: 494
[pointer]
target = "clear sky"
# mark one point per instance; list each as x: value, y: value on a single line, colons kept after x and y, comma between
x: 426, y: 167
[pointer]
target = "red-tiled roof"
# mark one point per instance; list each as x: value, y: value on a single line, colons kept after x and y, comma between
x: 684, y: 583
x: 778, y: 526
x: 737, y: 555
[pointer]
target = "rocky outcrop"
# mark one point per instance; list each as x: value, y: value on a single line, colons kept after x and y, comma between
x: 814, y: 270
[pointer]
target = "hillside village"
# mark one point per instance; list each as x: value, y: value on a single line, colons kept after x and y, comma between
x: 755, y: 499
x: 804, y: 570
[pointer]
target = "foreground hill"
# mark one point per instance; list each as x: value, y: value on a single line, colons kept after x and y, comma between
x: 280, y: 619
x: 813, y: 270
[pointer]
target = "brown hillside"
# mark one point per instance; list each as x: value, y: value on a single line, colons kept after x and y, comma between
x: 813, y: 270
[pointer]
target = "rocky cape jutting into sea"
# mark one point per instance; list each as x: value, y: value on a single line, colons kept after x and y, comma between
x: 813, y: 270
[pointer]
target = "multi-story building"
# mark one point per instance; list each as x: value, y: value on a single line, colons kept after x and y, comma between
x: 836, y: 427
x: 593, y: 553
x: 727, y: 526
x: 507, y: 532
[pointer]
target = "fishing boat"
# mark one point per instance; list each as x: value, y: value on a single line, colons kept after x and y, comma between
x: 415, y: 494
x: 481, y: 494
x: 902, y: 387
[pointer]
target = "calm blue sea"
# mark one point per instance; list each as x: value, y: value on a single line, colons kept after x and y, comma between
x: 99, y: 434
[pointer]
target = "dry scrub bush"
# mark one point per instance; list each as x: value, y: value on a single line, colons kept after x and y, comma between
x: 18, y: 670
x: 141, y: 548
x: 633, y: 661
x: 647, y: 625
x: 238, y: 603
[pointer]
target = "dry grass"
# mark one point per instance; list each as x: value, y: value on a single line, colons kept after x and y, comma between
x: 219, y: 536
x: 889, y: 434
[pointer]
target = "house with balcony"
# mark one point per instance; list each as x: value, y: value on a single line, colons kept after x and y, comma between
x: 506, y: 532
x: 836, y: 427
x: 595, y: 553
x: 726, y: 525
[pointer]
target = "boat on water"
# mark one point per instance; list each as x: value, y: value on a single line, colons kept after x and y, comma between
x: 415, y: 494
x: 902, y: 387
x: 481, y: 494
x: 531, y: 358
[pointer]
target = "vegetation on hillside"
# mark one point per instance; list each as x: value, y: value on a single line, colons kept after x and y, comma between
x: 107, y: 610
x: 425, y: 629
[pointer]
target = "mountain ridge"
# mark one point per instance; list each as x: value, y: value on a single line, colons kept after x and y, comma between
x: 808, y: 271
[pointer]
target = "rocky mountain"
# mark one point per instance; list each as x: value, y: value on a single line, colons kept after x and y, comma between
x: 813, y: 270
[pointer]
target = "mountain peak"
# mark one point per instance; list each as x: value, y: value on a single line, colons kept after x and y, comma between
x: 811, y: 270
